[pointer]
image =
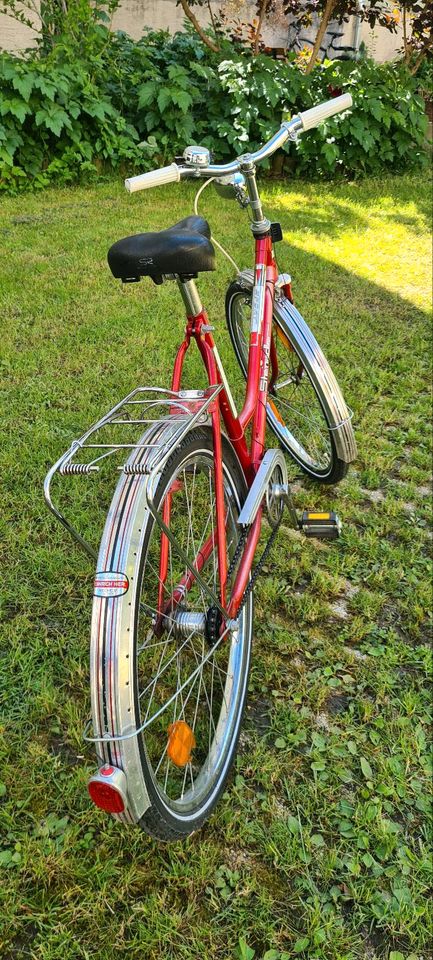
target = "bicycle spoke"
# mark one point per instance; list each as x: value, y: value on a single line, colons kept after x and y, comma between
x: 180, y: 676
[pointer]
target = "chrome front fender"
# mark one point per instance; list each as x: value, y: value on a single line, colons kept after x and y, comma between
x: 338, y: 416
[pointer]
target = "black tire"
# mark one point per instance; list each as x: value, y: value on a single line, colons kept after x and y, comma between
x: 163, y: 819
x: 326, y: 469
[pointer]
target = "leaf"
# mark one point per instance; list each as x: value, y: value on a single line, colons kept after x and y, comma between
x: 301, y: 945
x: 396, y: 955
x: 293, y: 825
x: 366, y: 769
x: 24, y: 84
x: 18, y: 108
x: 47, y: 87
x: 272, y: 955
x: 317, y: 840
x: 344, y: 774
x: 319, y: 741
x: 183, y: 99
x: 245, y: 952
x: 74, y: 109
x: 2, y: 788
x: 53, y: 119
x: 163, y: 99
x: 280, y: 743
x: 376, y: 108
x: 358, y: 128
x: 95, y: 109
x: 146, y: 93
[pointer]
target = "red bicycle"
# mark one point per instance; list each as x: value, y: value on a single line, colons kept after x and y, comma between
x: 173, y: 608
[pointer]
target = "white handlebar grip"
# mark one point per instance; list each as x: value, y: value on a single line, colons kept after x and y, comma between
x: 311, y: 118
x: 156, y: 178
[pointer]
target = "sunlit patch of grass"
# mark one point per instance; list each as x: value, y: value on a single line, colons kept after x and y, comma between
x: 320, y: 845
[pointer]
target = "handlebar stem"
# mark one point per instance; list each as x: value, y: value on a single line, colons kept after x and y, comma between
x: 260, y: 224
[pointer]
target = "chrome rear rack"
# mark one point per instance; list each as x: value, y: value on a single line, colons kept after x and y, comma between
x: 136, y: 436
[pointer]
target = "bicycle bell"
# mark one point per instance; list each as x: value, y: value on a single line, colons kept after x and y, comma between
x: 232, y: 187
x: 197, y: 156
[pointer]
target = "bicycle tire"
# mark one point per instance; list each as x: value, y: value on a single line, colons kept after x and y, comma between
x: 167, y: 818
x: 327, y: 471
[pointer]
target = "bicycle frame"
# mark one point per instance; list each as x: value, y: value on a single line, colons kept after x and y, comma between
x: 253, y: 412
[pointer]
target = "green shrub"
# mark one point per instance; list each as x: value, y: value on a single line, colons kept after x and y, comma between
x: 57, y: 123
x: 125, y: 105
x: 384, y: 132
x: 385, y: 129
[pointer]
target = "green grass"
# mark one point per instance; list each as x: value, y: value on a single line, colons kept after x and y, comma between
x: 320, y: 847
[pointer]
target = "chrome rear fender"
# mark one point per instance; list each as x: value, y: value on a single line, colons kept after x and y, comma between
x: 113, y: 628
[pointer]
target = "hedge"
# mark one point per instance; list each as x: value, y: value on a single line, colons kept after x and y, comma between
x: 133, y: 106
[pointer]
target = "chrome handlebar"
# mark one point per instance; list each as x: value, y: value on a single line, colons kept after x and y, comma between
x: 289, y: 130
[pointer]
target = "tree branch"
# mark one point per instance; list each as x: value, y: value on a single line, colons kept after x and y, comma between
x: 203, y: 36
x: 406, y: 52
x: 212, y: 18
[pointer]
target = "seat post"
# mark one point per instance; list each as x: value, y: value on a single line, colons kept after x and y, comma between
x: 190, y: 297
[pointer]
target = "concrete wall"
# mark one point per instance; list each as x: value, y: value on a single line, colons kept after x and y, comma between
x: 133, y: 15
x: 14, y: 36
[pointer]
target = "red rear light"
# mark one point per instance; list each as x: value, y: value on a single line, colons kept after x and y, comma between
x: 107, y: 789
x: 106, y: 797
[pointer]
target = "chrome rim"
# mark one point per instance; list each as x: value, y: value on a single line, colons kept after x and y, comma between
x: 181, y: 676
x: 293, y: 398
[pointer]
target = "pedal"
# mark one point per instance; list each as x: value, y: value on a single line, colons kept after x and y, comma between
x: 322, y: 525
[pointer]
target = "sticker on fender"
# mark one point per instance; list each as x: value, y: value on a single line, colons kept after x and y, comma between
x: 110, y: 583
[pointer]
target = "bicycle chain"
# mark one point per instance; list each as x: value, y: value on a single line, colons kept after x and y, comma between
x: 238, y: 551
x: 256, y: 572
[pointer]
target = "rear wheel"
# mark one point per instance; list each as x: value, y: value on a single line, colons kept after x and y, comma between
x: 294, y: 411
x: 190, y: 677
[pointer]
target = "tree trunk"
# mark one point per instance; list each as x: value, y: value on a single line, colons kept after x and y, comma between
x: 203, y: 36
x: 327, y: 14
x: 263, y: 8
x: 418, y: 62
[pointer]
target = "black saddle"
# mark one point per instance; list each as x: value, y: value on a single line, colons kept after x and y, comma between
x: 184, y: 249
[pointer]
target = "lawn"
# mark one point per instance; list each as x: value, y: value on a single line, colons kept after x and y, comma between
x: 320, y: 848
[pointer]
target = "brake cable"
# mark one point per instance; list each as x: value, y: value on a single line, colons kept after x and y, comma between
x: 220, y: 247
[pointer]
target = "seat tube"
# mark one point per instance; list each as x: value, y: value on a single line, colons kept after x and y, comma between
x: 176, y: 382
x: 197, y: 319
x: 210, y: 364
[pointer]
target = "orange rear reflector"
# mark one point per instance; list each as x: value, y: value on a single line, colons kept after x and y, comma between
x: 282, y: 336
x: 275, y: 411
x: 318, y: 516
x: 181, y: 741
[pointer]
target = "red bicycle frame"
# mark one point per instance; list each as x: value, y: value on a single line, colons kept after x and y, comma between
x: 253, y: 412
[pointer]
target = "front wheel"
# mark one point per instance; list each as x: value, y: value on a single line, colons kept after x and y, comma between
x: 295, y: 412
x: 177, y: 676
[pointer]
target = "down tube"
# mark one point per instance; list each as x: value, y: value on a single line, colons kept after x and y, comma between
x: 261, y: 332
